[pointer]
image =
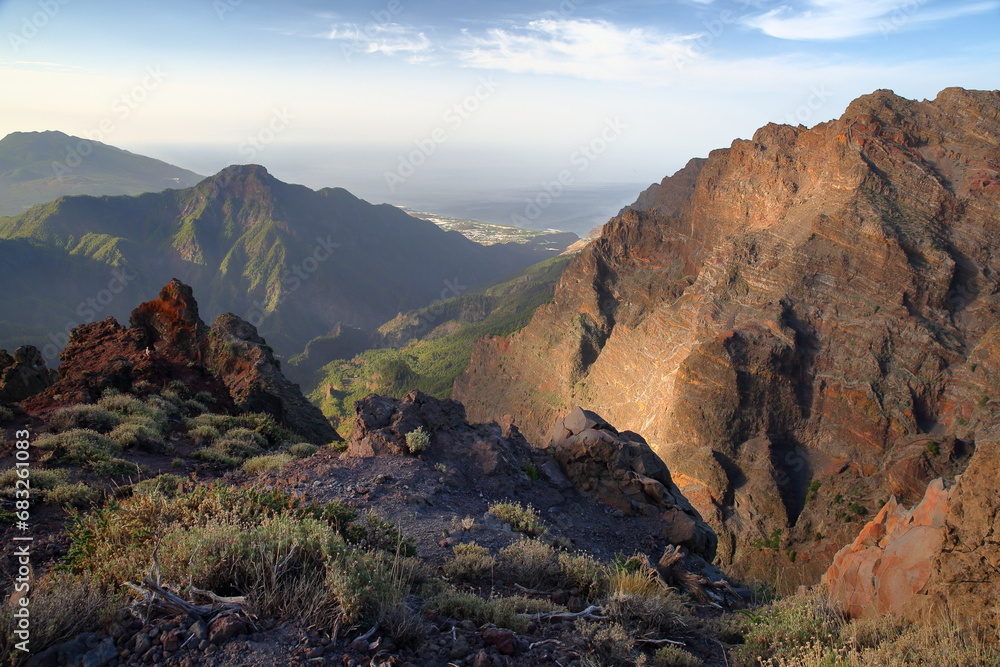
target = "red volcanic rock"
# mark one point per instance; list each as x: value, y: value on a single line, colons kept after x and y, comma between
x: 171, y: 321
x: 168, y: 341
x: 782, y: 319
x: 890, y: 561
x: 940, y: 559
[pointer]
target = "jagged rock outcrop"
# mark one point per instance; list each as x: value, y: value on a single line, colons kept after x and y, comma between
x: 24, y: 374
x: 797, y: 324
x: 622, y: 471
x: 589, y: 455
x: 939, y: 559
x: 890, y: 561
x: 166, y: 341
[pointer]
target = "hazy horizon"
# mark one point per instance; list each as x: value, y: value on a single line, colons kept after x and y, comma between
x: 458, y: 99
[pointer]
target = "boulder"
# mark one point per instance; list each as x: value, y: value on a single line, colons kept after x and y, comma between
x: 624, y: 472
x: 24, y: 374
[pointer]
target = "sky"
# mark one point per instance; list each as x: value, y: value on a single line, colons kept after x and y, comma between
x: 435, y: 101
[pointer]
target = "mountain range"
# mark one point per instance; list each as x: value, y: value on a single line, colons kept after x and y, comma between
x: 293, y: 261
x: 37, y: 167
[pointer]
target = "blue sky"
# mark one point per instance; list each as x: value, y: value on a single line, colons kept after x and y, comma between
x: 504, y: 93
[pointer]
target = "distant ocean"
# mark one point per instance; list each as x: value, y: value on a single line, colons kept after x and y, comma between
x: 497, y: 187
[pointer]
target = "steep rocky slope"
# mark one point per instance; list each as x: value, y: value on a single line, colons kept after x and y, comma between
x: 800, y: 325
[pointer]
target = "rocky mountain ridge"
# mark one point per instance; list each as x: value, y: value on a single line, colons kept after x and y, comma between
x: 801, y: 325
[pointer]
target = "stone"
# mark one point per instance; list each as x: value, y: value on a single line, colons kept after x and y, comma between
x: 889, y: 562
x: 459, y: 648
x: 223, y: 628
x: 104, y: 653
x: 622, y: 471
x: 23, y: 374
x: 504, y: 640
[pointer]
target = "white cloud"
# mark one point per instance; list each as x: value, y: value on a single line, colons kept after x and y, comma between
x: 843, y: 19
x: 390, y: 39
x: 585, y: 49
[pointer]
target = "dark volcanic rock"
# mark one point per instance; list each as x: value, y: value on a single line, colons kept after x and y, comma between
x: 782, y: 321
x: 622, y: 470
x: 24, y: 374
x: 168, y: 341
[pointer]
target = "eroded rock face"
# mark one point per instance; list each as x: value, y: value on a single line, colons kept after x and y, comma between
x: 940, y: 559
x: 784, y: 322
x: 166, y: 341
x: 890, y: 561
x: 622, y: 471
x: 24, y: 374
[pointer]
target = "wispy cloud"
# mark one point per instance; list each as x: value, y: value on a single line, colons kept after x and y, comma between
x: 843, y: 19
x: 588, y: 49
x: 390, y: 39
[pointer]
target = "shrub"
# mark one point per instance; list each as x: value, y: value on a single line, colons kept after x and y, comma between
x: 660, y: 612
x: 303, y: 450
x: 123, y: 404
x: 530, y: 563
x: 76, y: 495
x: 373, y: 532
x: 807, y: 630
x: 604, y: 643
x: 582, y: 572
x: 165, y: 485
x: 203, y: 434
x: 367, y: 584
x: 671, y: 656
x: 80, y: 446
x: 211, y: 455
x: 240, y: 443
x: 500, y: 611
x: 83, y: 416
x: 38, y: 480
x: 470, y: 564
x: 142, y: 436
x: 417, y: 440
x: 118, y: 468
x: 62, y: 606
x: 522, y: 518
x: 6, y: 414
x: 259, y: 465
